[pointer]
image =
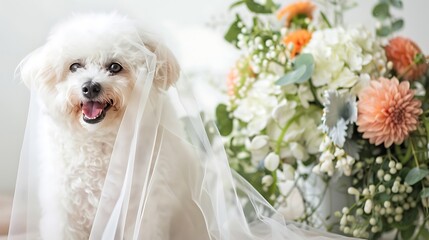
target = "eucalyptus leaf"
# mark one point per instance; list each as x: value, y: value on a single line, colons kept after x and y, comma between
x: 305, y: 59
x: 381, y: 11
x: 292, y: 77
x: 303, y: 69
x: 224, y: 122
x: 415, y: 175
x: 424, y: 193
x: 397, y: 25
x: 384, y: 31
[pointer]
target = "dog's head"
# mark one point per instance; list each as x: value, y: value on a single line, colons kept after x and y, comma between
x: 86, y: 71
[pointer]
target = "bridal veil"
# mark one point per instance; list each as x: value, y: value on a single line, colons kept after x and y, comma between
x: 167, y: 179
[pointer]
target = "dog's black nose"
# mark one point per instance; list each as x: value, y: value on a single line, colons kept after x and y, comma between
x: 91, y: 89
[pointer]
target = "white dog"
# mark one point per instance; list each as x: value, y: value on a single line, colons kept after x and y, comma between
x: 84, y: 76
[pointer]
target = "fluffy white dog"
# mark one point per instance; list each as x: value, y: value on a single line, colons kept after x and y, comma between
x: 84, y: 76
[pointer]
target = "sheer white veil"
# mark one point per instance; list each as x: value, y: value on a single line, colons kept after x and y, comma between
x: 166, y: 178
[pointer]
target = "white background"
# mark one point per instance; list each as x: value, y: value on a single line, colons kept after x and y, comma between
x: 25, y: 24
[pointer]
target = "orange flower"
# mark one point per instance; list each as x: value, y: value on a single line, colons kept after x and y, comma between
x: 299, y: 8
x: 299, y: 39
x: 401, y: 52
x: 387, y: 111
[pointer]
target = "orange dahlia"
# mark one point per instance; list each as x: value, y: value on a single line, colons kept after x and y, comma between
x: 401, y: 52
x: 299, y: 8
x: 299, y: 39
x: 387, y: 111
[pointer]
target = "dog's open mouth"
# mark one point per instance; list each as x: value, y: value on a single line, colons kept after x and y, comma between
x: 94, y: 112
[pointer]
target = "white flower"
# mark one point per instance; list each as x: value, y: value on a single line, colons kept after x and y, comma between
x: 258, y: 102
x: 305, y: 95
x: 327, y: 165
x: 326, y: 156
x: 284, y: 111
x: 258, y: 143
x: 339, y: 152
x: 325, y: 144
x: 256, y: 125
x: 344, y: 56
x: 272, y: 161
x: 258, y: 148
x: 298, y: 151
x: 293, y: 208
x: 267, y: 180
x: 288, y: 173
x: 285, y: 187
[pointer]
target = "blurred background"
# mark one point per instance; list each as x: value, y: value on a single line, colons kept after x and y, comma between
x: 192, y: 28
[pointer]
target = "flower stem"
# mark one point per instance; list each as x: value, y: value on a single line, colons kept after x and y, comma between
x: 414, y: 153
x: 325, y: 19
x: 313, y: 91
x: 284, y: 130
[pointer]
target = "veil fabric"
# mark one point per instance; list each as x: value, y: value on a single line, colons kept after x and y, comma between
x: 166, y: 179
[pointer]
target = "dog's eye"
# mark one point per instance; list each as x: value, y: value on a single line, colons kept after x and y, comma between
x: 114, y: 68
x: 75, y: 66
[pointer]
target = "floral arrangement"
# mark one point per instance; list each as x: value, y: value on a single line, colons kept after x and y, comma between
x: 312, y: 99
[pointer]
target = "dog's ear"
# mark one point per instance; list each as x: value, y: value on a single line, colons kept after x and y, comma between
x: 37, y: 69
x: 167, y: 68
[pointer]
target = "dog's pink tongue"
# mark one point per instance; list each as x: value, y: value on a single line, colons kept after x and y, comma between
x: 92, y: 109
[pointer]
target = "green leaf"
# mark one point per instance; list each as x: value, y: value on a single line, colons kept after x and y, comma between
x: 397, y: 25
x: 426, y: 124
x: 381, y: 11
x: 268, y: 7
x: 238, y: 3
x: 384, y: 31
x: 396, y: 3
x: 415, y: 175
x: 424, y: 193
x: 419, y: 58
x: 233, y: 31
x: 303, y: 69
x: 411, y: 215
x: 224, y: 122
x: 409, y: 232
x: 424, y: 234
x: 382, y: 197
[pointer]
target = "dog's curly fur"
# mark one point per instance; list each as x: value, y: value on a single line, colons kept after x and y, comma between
x: 78, y: 147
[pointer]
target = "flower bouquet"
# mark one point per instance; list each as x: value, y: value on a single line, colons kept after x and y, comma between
x: 313, y: 101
